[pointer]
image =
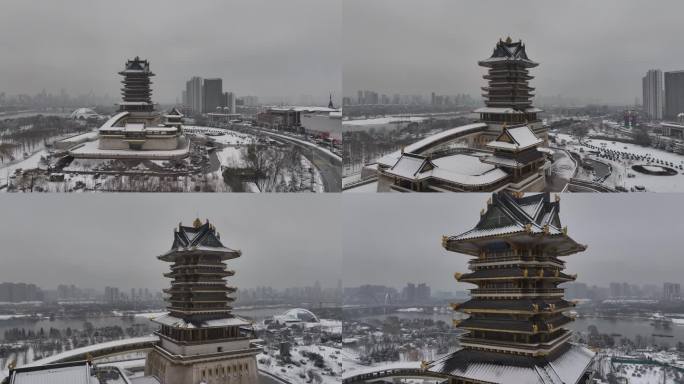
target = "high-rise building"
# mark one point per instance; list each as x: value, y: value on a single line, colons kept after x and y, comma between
x: 674, y: 94
x: 201, y: 340
x: 229, y: 102
x: 652, y: 85
x: 193, y: 94
x: 671, y: 291
x: 213, y: 95
x: 516, y: 312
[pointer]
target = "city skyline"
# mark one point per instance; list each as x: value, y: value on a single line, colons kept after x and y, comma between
x: 438, y: 46
x: 406, y: 244
x: 274, y: 62
x: 117, y: 244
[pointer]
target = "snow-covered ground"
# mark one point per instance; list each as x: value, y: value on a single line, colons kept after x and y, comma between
x: 267, y: 361
x: 646, y: 374
x: 363, y: 188
x: 384, y: 120
x: 31, y: 162
x: 622, y: 173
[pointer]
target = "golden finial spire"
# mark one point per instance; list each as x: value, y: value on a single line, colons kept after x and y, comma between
x: 509, y: 40
x: 197, y: 223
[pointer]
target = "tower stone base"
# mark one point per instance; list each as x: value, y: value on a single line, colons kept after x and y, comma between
x: 236, y: 367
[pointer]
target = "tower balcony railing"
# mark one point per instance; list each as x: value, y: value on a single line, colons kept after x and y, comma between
x: 516, y: 291
x: 506, y: 257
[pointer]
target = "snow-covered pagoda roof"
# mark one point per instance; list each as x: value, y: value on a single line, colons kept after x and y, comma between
x: 177, y: 322
x: 508, y: 52
x: 201, y: 238
x: 137, y: 65
x: 515, y: 139
x: 565, y: 365
x: 516, y: 218
x: 174, y: 113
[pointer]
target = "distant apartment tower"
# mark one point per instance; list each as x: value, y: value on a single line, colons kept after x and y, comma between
x: 213, y: 95
x: 674, y: 94
x: 671, y: 291
x: 652, y: 85
x: 229, y: 101
x: 193, y: 94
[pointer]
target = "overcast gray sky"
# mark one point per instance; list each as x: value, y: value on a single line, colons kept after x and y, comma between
x: 587, y: 49
x: 258, y: 47
x: 113, y: 239
x: 394, y: 239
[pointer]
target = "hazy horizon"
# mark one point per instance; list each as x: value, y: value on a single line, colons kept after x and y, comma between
x: 94, y: 241
x: 259, y: 47
x: 593, y: 51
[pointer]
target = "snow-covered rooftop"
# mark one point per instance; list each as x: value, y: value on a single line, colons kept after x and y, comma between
x: 567, y: 367
x: 520, y: 138
x: 177, y: 322
x: 426, y: 143
x: 466, y: 170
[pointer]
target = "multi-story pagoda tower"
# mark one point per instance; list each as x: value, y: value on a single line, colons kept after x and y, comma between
x: 508, y: 95
x: 201, y: 340
x: 136, y: 92
x: 514, y: 332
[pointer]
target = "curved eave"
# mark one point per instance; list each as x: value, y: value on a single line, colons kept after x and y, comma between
x: 547, y: 276
x: 494, y: 62
x: 224, y: 253
x: 471, y: 246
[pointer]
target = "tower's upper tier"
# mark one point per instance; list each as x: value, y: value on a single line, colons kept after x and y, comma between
x: 506, y: 53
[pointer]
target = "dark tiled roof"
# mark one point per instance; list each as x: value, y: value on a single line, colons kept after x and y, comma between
x: 565, y: 364
x: 202, y: 235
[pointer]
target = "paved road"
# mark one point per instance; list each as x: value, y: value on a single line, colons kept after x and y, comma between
x: 557, y: 181
x: 329, y: 167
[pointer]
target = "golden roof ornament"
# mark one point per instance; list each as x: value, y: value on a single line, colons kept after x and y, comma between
x: 445, y: 239
x: 197, y: 223
x: 509, y: 40
x: 557, y: 197
x: 565, y: 230
x: 457, y: 275
x: 528, y: 227
x: 12, y: 365
x: 482, y: 212
x: 546, y: 229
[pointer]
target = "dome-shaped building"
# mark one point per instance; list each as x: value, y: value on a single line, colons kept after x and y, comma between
x: 84, y: 114
x: 297, y: 315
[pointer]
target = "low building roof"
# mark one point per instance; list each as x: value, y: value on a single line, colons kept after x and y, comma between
x: 515, y: 139
x: 178, y: 322
x: 566, y: 364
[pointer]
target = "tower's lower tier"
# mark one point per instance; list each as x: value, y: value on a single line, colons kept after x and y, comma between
x: 230, y: 367
x: 569, y: 364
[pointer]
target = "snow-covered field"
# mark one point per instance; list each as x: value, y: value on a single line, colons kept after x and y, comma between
x: 646, y: 374
x: 384, y: 120
x: 267, y: 361
x: 31, y: 162
x: 622, y: 173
